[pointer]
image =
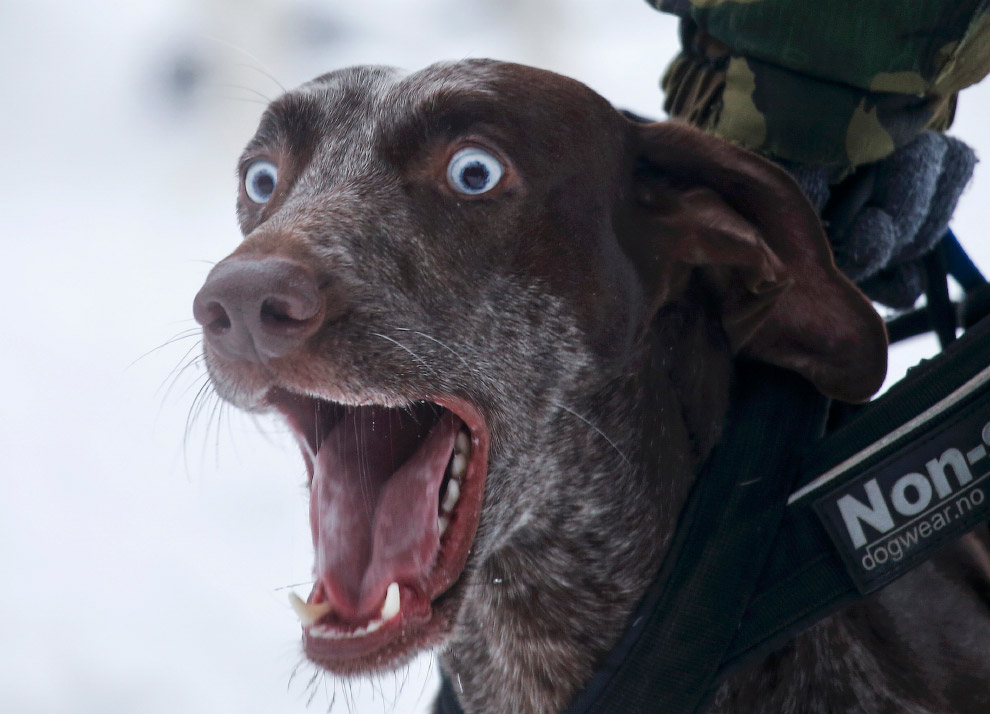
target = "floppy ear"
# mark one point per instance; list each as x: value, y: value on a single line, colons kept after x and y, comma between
x: 703, y: 208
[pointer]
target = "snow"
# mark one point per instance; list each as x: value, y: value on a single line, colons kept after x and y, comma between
x: 146, y: 562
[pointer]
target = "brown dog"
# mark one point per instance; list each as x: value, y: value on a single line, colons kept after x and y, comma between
x: 500, y: 319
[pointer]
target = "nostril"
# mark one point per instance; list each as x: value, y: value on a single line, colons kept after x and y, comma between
x: 275, y: 312
x: 281, y: 311
x: 210, y: 312
x: 216, y: 319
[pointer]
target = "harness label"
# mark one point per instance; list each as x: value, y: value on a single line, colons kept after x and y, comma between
x: 929, y: 491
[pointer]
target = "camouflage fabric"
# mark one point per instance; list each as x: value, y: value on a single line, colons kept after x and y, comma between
x: 827, y: 82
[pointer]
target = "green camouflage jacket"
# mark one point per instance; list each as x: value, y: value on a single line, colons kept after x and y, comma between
x: 829, y: 82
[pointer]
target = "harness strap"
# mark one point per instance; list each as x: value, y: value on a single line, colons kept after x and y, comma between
x: 959, y: 265
x: 940, y: 314
x: 939, y: 305
x: 925, y: 443
x: 669, y: 657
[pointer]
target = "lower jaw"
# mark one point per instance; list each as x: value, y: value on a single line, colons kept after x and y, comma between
x: 392, y: 645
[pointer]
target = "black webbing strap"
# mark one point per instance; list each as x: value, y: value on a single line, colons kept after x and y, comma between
x: 667, y: 659
x: 940, y: 314
x: 806, y: 578
x: 670, y: 654
x: 959, y: 265
x: 939, y: 305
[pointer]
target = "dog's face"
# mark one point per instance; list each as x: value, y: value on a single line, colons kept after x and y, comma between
x: 448, y: 287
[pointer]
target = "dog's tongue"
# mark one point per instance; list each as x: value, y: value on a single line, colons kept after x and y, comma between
x: 373, y: 505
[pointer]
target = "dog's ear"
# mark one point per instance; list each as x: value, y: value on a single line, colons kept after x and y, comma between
x: 704, y: 208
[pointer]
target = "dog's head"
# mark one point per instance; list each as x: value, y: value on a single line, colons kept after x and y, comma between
x: 451, y: 287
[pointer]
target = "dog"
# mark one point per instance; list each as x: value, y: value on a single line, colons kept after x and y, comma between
x: 501, y: 321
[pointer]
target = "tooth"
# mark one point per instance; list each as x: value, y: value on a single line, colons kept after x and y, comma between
x: 442, y: 523
x: 463, y: 443
x: 458, y: 466
x: 450, y: 498
x: 390, y: 608
x: 308, y: 613
x: 329, y: 633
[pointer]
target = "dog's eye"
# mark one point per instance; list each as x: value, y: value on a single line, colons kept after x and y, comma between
x: 473, y: 171
x: 259, y: 180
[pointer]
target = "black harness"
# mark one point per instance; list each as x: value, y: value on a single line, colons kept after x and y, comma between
x: 785, y: 525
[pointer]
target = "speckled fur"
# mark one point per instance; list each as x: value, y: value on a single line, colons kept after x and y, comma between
x: 528, y: 308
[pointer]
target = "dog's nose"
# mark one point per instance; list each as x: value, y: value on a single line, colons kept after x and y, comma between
x: 256, y: 309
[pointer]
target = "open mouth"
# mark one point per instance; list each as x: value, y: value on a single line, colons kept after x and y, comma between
x: 395, y: 498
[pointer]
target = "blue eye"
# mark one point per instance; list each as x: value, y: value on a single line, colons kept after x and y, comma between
x: 473, y: 171
x: 260, y: 179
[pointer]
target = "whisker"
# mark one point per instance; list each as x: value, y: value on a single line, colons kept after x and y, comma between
x: 193, y: 362
x: 313, y: 687
x: 178, y: 369
x: 399, y: 344
x: 217, y: 412
x: 258, y: 64
x: 429, y: 673
x: 332, y: 701
x: 184, y: 335
x: 375, y: 682
x: 247, y: 100
x: 351, y: 699
x: 227, y: 410
x: 259, y: 70
x: 252, y: 90
x: 600, y: 432
x: 434, y: 339
x: 400, y: 688
x: 292, y: 675
x: 202, y: 396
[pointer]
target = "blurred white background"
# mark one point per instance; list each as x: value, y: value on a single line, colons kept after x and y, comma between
x: 145, y: 569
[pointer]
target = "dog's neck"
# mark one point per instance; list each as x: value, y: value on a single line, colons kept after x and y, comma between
x: 553, y: 600
x: 842, y: 664
x: 550, y: 604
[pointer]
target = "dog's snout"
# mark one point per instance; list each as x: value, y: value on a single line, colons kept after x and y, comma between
x: 256, y: 309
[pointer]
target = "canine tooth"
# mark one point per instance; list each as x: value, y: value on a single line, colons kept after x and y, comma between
x: 458, y: 466
x: 308, y: 613
x: 442, y: 523
x: 463, y: 443
x: 390, y: 608
x: 450, y: 498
